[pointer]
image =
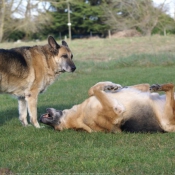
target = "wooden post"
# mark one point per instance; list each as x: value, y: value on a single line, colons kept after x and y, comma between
x: 69, y: 23
x: 109, y: 34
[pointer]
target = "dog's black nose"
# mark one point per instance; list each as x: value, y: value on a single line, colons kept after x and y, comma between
x: 73, y: 69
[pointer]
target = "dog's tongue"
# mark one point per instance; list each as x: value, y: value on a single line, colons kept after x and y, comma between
x: 46, y: 115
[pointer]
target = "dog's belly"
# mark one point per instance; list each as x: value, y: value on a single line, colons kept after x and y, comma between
x: 15, y: 85
x: 140, y: 110
x: 17, y: 91
x: 141, y: 119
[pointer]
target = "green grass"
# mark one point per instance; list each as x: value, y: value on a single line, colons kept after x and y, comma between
x: 43, y: 151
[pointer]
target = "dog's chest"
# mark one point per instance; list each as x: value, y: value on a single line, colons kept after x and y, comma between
x: 48, y: 80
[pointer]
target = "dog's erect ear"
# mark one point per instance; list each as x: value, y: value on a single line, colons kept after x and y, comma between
x: 64, y: 43
x: 53, y: 43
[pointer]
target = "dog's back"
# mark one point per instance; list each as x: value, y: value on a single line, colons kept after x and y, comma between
x: 13, y: 63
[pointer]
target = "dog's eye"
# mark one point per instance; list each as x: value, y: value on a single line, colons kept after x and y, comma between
x: 64, y: 56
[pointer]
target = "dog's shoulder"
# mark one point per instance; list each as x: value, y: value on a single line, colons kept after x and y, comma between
x: 26, y: 52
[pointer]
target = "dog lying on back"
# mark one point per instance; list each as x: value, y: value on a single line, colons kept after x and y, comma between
x: 27, y: 71
x: 113, y: 108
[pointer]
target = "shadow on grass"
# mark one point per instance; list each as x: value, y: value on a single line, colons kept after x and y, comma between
x: 11, y: 113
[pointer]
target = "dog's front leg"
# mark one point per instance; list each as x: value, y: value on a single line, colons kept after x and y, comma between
x: 32, y: 108
x: 106, y: 86
x: 86, y: 128
x: 22, y: 107
x: 108, y: 102
x: 112, y: 109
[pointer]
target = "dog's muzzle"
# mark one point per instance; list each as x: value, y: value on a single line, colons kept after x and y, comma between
x: 73, y: 69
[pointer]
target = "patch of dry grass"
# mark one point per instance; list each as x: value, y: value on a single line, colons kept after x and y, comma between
x: 109, y: 49
x: 106, y: 49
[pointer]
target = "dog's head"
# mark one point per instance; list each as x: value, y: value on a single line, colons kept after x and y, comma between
x: 62, y: 56
x: 52, y: 117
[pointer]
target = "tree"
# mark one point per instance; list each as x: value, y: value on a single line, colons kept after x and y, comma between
x: 7, y: 12
x: 127, y: 14
x: 86, y: 17
x: 26, y: 19
x: 33, y: 19
x: 22, y: 17
x: 2, y: 18
x: 165, y: 24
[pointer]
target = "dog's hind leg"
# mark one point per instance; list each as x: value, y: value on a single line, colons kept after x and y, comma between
x: 32, y: 108
x: 167, y: 120
x: 86, y: 128
x: 22, y: 106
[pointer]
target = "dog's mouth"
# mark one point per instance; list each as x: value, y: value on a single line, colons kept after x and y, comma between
x: 62, y: 70
x: 47, y: 115
x: 68, y: 69
x: 46, y: 118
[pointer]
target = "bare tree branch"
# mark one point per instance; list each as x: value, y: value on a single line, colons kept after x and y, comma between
x: 2, y: 18
x: 127, y: 14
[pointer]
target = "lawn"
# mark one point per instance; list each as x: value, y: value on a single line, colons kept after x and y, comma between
x: 127, y: 61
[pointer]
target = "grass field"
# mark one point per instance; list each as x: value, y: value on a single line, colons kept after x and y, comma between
x: 125, y: 61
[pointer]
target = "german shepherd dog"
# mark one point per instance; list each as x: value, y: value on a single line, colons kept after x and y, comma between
x: 27, y: 71
x: 113, y: 108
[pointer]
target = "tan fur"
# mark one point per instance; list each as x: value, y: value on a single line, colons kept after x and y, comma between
x: 97, y: 113
x: 110, y: 107
x: 33, y: 70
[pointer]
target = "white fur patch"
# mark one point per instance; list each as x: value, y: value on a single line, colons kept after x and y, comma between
x: 118, y: 108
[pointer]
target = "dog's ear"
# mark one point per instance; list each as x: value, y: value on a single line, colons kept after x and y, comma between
x: 64, y: 43
x: 54, y: 45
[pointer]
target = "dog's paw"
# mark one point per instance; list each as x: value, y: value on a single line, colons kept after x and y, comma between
x: 112, y: 87
x: 155, y: 88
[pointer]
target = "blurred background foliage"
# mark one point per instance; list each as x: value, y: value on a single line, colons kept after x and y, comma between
x: 36, y: 19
